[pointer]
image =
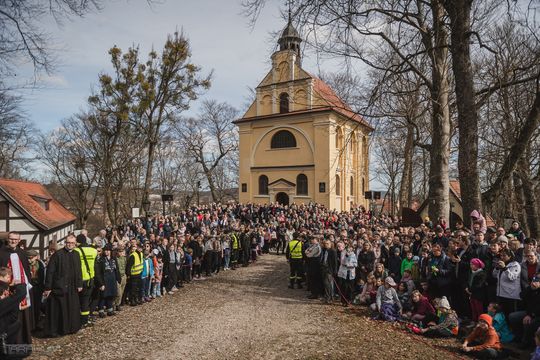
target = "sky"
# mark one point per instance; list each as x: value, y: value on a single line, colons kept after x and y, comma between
x: 220, y: 36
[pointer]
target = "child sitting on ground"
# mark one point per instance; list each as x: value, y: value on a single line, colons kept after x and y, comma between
x: 448, y: 323
x: 387, y: 300
x: 422, y: 311
x: 483, y: 342
x: 369, y: 291
x: 499, y: 323
x: 403, y: 295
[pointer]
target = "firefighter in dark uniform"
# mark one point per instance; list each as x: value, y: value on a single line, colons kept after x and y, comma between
x: 134, y: 268
x: 88, y: 255
x: 294, y: 255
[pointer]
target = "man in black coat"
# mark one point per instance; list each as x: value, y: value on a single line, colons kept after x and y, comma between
x: 13, y: 257
x: 525, y: 323
x: 63, y: 282
x: 329, y: 267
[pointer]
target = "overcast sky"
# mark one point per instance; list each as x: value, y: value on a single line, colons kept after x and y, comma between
x: 220, y: 37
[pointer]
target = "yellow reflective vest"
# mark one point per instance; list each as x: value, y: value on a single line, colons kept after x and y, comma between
x: 137, y: 266
x: 87, y: 267
x: 234, y: 242
x: 295, y: 249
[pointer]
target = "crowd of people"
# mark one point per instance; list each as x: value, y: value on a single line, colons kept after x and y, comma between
x: 481, y: 284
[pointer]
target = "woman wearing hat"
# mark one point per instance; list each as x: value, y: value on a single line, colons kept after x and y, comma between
x: 476, y: 288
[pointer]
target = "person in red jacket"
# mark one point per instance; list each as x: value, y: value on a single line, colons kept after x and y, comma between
x: 483, y: 342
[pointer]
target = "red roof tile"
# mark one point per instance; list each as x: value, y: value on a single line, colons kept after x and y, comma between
x: 455, y: 187
x: 26, y: 194
x: 327, y: 93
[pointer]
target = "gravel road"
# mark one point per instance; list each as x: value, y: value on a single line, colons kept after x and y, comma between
x: 244, y: 314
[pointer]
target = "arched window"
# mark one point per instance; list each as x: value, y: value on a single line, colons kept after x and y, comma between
x: 283, y: 103
x: 338, y: 186
x: 363, y: 186
x: 301, y: 185
x: 283, y: 139
x: 352, y: 186
x: 263, y: 185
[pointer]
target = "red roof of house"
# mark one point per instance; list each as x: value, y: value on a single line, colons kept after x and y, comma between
x: 26, y: 195
x: 455, y: 187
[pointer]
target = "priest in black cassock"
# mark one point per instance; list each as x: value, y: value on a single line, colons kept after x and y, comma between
x: 13, y: 257
x: 63, y: 282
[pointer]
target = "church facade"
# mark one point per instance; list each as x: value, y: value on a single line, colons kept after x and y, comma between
x: 298, y: 141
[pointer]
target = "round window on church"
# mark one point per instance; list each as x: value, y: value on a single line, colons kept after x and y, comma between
x: 283, y: 139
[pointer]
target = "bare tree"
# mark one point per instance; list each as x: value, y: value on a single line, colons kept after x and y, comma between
x: 16, y: 135
x: 73, y: 167
x: 210, y: 139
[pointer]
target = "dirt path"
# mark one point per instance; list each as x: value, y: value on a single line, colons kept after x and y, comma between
x: 244, y: 314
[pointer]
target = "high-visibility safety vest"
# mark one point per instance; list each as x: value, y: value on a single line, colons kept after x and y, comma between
x: 234, y: 242
x: 295, y: 249
x: 137, y: 266
x: 87, y: 266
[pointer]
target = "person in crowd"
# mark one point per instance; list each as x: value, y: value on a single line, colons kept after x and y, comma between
x: 516, y: 231
x: 329, y: 267
x: 507, y: 271
x: 525, y: 322
x: 499, y: 323
x: 380, y: 272
x: 447, y: 324
x: 421, y: 312
x: 88, y: 255
x: 529, y: 268
x: 389, y: 307
x: 294, y: 256
x: 439, y: 274
x: 346, y: 274
x: 155, y: 291
x: 476, y: 288
x: 121, y: 261
x: 10, y: 298
x: 483, y: 342
x: 313, y: 268
x: 37, y: 279
x: 369, y: 291
x: 14, y: 257
x: 134, y: 268
x: 63, y: 284
x: 366, y: 260
x: 147, y: 273
x: 107, y: 281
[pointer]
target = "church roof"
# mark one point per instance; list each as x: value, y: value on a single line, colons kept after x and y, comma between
x: 336, y: 103
x: 290, y: 31
x: 26, y: 195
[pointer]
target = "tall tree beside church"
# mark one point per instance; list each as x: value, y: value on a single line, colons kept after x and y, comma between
x: 151, y: 95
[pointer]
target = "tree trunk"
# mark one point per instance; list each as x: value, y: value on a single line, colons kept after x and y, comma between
x: 517, y: 150
x: 520, y: 202
x: 405, y: 187
x: 438, y: 194
x: 531, y: 208
x: 149, y: 171
x: 459, y: 12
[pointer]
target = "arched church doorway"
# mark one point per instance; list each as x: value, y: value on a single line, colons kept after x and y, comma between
x: 282, y: 198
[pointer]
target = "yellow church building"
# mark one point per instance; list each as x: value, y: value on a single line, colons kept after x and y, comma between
x: 298, y: 141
